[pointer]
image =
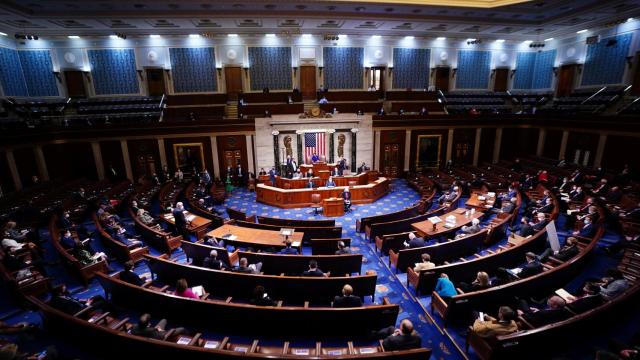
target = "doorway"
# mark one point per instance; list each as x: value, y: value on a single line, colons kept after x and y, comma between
x: 442, y: 78
x: 233, y: 81
x: 391, y: 161
x: 565, y: 80
x: 74, y: 80
x: 155, y: 82
x: 308, y: 82
x: 501, y: 80
x: 376, y: 79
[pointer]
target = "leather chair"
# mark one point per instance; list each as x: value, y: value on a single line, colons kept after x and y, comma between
x: 315, y: 203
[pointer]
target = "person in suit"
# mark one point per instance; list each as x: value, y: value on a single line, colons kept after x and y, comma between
x: 525, y: 229
x: 129, y: 276
x: 342, y: 165
x: 414, y: 242
x: 566, y: 252
x: 244, y: 267
x: 213, y: 241
x: 541, y: 222
x: 288, y: 250
x: 532, y: 267
x: 472, y: 229
x: 589, y: 299
x: 490, y: 327
x: 334, y: 172
x: 362, y: 168
x: 346, y: 196
x: 313, y: 270
x: 481, y: 282
x: 508, y: 206
x: 576, y: 195
x: 426, y: 263
x: 261, y: 298
x: 180, y: 220
x: 205, y: 177
x: 403, y: 338
x: 297, y: 175
x: 330, y: 182
x: 315, y: 158
x: 554, y: 312
x: 143, y: 328
x: 613, y: 196
x: 449, y: 196
x: 61, y: 300
x: 272, y: 176
x: 240, y: 175
x: 310, y: 173
x: 613, y: 284
x: 347, y: 300
x: 310, y: 184
x: 212, y: 261
x: 262, y: 172
x: 601, y: 189
x: 587, y: 230
x: 342, y: 249
x: 546, y: 208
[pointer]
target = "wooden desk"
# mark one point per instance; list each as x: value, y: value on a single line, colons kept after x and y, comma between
x: 361, y: 179
x: 196, y: 225
x: 333, y: 207
x: 475, y: 201
x: 317, y: 167
x: 244, y: 236
x: 263, y: 179
x: 425, y: 228
x: 297, y: 198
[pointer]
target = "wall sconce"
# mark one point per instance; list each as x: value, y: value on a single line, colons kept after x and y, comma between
x: 513, y: 72
x: 453, y: 73
x: 140, y: 74
x: 629, y: 61
x: 57, y: 75
x: 320, y: 69
x: 493, y: 72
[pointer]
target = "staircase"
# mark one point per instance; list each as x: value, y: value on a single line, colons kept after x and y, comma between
x: 231, y: 110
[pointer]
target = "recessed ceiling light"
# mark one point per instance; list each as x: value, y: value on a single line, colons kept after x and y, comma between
x: 527, y: 41
x: 375, y: 36
x: 549, y: 39
x: 3, y: 34
x: 441, y: 38
x: 306, y: 36
x: 409, y: 37
x: 194, y: 35
x: 471, y: 39
x: 500, y: 40
x: 70, y: 36
x: 232, y: 35
x: 270, y: 35
x: 629, y: 19
x: 582, y: 31
x: 153, y: 36
x: 113, y: 37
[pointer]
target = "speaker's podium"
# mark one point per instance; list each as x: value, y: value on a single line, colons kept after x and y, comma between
x: 333, y: 207
x: 317, y: 167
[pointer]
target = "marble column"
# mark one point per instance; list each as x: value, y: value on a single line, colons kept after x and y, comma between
x: 298, y: 146
x: 11, y: 162
x: 376, y: 151
x: 497, y: 145
x: 276, y: 158
x: 354, y: 136
x: 541, y: 138
x: 476, y: 146
x: 563, y: 145
x: 127, y: 161
x: 602, y: 141
x: 331, y: 146
x: 407, y: 150
x: 41, y: 163
x: 449, y: 145
x: 162, y: 152
x: 97, y: 158
x: 214, y: 156
x: 250, y: 163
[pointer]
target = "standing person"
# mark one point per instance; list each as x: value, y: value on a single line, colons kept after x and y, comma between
x: 180, y: 221
x: 342, y: 165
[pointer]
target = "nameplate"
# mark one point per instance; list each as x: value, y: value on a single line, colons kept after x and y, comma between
x: 211, y: 344
x: 334, y: 352
x: 242, y: 349
x: 300, y: 352
x: 367, y: 350
x: 183, y: 341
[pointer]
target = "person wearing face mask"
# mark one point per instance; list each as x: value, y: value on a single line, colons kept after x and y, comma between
x: 587, y: 230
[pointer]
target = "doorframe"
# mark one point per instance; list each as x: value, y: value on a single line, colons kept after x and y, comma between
x: 165, y: 80
x: 88, y: 90
x: 224, y: 76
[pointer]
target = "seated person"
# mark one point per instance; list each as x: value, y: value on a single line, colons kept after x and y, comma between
x: 554, y: 312
x: 508, y: 206
x: 613, y: 196
x: 330, y: 182
x: 525, y: 229
x: 261, y: 298
x: 61, y: 300
x: 449, y: 196
x: 323, y: 100
x: 445, y: 288
x: 426, y: 263
x: 297, y: 175
x: 315, y: 158
x: 589, y: 299
x: 342, y: 249
x: 362, y: 168
x: 245, y: 267
x: 540, y: 223
x: 183, y: 290
x: 576, y: 195
x: 213, y: 241
x: 613, y: 284
x: 143, y: 328
x: 288, y: 250
x: 147, y: 219
x: 587, y: 230
x: 470, y: 230
x: 310, y: 173
x: 129, y: 276
x: 568, y: 251
x: 490, y: 327
x: 502, y: 277
x: 402, y: 339
x: 212, y: 261
x: 546, y: 208
x: 310, y: 184
x: 532, y: 267
x: 314, y: 271
x: 481, y: 282
x: 262, y: 172
x: 414, y: 242
x: 347, y: 300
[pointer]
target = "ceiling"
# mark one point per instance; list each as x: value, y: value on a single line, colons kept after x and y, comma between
x: 529, y: 19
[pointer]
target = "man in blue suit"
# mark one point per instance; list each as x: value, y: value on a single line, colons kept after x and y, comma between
x: 180, y: 220
x: 587, y: 230
x: 288, y: 250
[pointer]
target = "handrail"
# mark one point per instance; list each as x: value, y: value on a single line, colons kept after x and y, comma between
x: 590, y: 97
x: 628, y: 105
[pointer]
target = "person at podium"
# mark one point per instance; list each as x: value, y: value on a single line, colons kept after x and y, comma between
x: 315, y: 158
x: 330, y: 183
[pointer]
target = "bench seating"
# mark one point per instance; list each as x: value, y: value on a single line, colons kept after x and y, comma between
x: 120, y: 250
x: 365, y: 222
x: 399, y: 226
x: 314, y: 232
x: 327, y: 246
x: 158, y: 239
x: 275, y: 264
x: 196, y: 252
x: 295, y: 222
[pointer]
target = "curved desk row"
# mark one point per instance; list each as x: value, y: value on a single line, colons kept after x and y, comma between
x: 297, y: 198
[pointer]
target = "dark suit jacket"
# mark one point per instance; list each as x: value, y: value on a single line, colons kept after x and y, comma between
x: 588, y: 231
x: 402, y: 342
x: 66, y: 304
x: 180, y: 219
x: 316, y: 272
x: 544, y: 317
x: 540, y: 225
x: 586, y: 303
x: 149, y: 332
x: 346, y: 195
x: 567, y: 252
x: 530, y: 269
x: 212, y: 263
x: 526, y: 230
x: 347, y: 301
x: 131, y: 278
x: 416, y: 242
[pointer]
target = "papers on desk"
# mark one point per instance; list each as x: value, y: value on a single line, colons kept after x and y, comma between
x: 190, y: 217
x: 514, y: 271
x: 198, y: 290
x: 434, y: 219
x: 295, y: 244
x: 491, y: 194
x: 482, y: 198
x: 564, y: 294
x: 210, y: 344
x: 183, y: 340
x: 287, y: 231
x: 229, y: 236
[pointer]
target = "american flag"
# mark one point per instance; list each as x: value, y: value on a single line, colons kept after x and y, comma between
x: 314, y: 143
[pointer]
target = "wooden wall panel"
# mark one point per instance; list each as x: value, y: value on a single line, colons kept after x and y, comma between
x: 144, y: 157
x: 392, y: 138
x: 552, y: 143
x: 112, y: 156
x: 26, y: 164
x: 583, y: 142
x: 206, y: 150
x: 463, y: 144
x: 232, y: 143
x: 487, y: 141
x: 616, y: 153
x: 517, y: 142
x: 70, y: 160
x: 6, y: 181
x: 444, y: 133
